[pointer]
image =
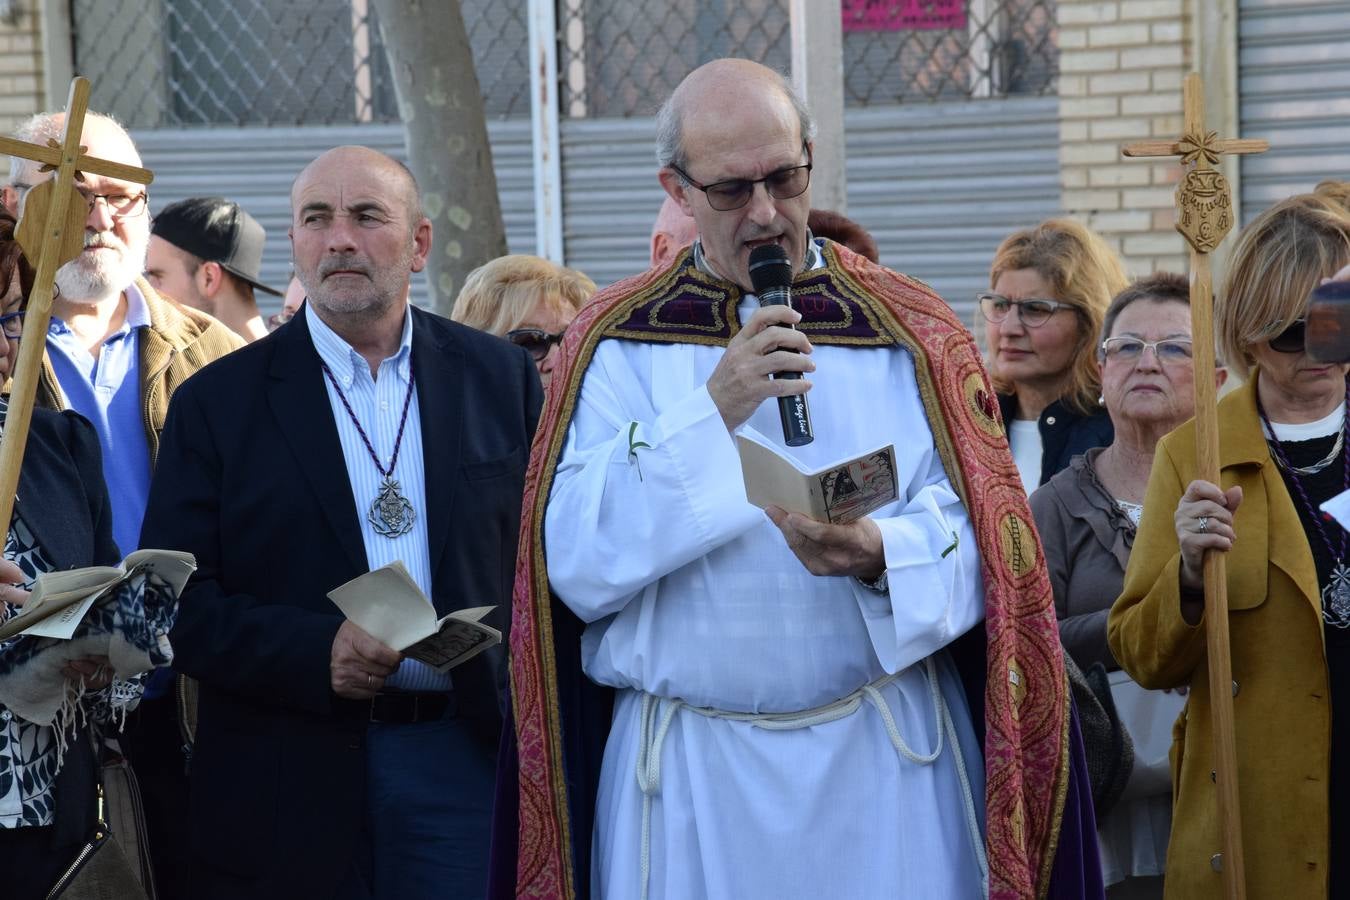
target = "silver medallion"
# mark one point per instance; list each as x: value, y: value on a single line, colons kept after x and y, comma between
x: 1336, y: 597
x: 391, y: 514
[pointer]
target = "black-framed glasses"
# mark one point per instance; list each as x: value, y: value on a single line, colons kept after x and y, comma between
x: 1129, y: 349
x: 120, y: 205
x: 1033, y: 313
x: 11, y: 324
x: 782, y: 184
x: 1291, y: 339
x: 536, y: 340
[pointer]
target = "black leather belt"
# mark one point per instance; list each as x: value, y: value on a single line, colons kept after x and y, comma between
x: 407, y: 708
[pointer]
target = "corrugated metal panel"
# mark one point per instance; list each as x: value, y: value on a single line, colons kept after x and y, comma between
x: 610, y: 195
x: 1294, y: 84
x: 255, y: 168
x: 940, y: 185
x: 937, y: 185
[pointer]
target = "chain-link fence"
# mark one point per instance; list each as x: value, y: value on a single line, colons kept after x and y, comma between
x: 624, y: 57
x: 167, y: 63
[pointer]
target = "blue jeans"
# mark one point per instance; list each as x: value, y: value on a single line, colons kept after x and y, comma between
x: 428, y: 810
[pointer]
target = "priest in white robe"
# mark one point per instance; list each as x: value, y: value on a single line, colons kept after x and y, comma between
x: 787, y: 717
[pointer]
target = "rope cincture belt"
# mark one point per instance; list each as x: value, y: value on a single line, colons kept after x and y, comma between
x: 658, y: 713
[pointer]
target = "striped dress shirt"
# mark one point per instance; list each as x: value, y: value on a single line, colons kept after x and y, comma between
x: 377, y: 404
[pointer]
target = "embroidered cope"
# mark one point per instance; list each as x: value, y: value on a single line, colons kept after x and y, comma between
x: 642, y: 563
x: 692, y: 593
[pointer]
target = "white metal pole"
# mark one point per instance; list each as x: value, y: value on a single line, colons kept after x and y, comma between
x: 544, y: 124
x: 818, y: 74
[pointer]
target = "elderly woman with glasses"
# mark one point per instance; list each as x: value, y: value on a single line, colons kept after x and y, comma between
x: 525, y: 299
x: 1087, y: 515
x: 1281, y: 454
x: 1050, y: 286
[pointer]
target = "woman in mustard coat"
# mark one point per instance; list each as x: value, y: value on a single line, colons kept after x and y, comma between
x: 1282, y: 452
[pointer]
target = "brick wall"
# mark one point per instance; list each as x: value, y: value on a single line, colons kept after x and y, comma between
x: 21, y: 89
x: 1121, y: 65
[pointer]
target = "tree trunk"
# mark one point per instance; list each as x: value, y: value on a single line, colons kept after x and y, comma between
x: 446, y: 134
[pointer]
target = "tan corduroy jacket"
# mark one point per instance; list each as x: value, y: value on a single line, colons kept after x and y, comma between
x: 179, y: 341
x: 1282, y: 703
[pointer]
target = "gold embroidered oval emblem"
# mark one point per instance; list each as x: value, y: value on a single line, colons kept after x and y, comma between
x: 1019, y: 544
x: 1018, y: 820
x: 982, y: 402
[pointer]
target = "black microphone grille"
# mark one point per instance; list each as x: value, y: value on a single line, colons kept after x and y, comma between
x: 769, y: 268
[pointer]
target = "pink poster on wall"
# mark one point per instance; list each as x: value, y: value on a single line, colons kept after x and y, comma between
x: 903, y: 15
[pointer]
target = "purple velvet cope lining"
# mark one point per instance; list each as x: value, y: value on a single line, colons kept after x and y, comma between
x: 1077, y: 871
x: 696, y: 306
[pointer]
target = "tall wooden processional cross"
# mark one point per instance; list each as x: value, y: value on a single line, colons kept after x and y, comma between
x: 51, y: 233
x: 1204, y: 216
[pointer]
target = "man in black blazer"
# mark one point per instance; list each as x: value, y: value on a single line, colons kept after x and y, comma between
x: 326, y: 765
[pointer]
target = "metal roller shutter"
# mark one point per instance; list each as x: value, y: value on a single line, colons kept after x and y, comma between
x: 255, y: 168
x: 938, y: 186
x: 1294, y: 84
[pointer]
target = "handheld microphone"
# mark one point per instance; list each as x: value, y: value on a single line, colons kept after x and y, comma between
x: 771, y: 276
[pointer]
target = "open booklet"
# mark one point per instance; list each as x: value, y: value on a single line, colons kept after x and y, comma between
x: 838, y: 493
x: 391, y: 608
x: 60, y: 600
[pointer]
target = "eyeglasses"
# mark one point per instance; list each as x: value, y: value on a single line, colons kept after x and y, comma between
x: 536, y: 340
x: 1128, y: 349
x: 120, y: 206
x: 11, y: 324
x: 1291, y: 339
x: 783, y: 184
x: 1032, y: 313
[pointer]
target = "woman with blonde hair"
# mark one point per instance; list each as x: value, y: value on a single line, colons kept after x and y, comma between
x: 1050, y: 286
x: 1282, y: 453
x: 525, y: 299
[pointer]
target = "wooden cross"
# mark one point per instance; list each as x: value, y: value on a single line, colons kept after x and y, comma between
x: 51, y: 233
x: 1204, y: 216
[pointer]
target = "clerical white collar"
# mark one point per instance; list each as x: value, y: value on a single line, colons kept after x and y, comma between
x: 814, y: 258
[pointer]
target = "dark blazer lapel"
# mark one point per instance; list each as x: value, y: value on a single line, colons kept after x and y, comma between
x: 303, y: 414
x: 436, y: 366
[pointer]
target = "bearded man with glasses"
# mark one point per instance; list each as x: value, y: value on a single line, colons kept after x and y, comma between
x: 805, y: 703
x: 116, y: 352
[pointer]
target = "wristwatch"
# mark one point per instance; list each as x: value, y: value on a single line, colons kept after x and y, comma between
x: 881, y: 584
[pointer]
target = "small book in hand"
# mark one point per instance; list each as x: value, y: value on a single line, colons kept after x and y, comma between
x: 389, y: 606
x: 60, y: 600
x: 838, y: 493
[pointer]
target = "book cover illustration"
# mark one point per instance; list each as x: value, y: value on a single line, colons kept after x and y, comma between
x: 839, y: 493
